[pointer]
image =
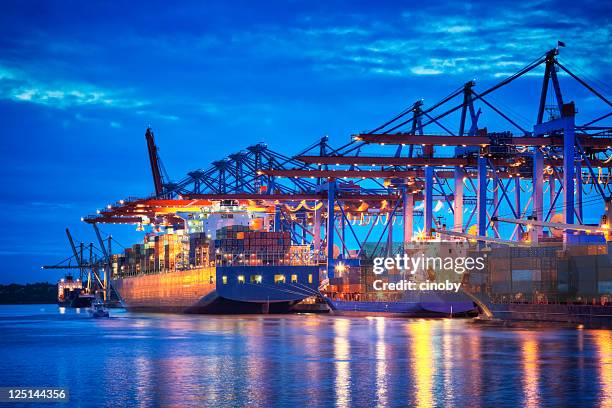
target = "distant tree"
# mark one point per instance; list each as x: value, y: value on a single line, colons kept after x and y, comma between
x: 31, y: 293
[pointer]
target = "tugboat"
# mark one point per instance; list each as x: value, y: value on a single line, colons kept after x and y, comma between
x: 97, y: 309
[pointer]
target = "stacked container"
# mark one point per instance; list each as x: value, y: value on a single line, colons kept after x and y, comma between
x: 198, y: 249
x: 237, y: 244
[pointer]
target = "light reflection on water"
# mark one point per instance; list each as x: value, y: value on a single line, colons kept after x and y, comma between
x: 531, y: 369
x: 381, y: 363
x: 184, y: 360
x: 447, y: 360
x: 342, y: 357
x: 422, y: 361
x: 603, y: 341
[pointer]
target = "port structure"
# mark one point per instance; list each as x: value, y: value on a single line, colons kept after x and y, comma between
x: 93, y: 263
x: 517, y: 186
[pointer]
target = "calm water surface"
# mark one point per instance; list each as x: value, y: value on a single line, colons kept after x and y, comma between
x: 302, y: 360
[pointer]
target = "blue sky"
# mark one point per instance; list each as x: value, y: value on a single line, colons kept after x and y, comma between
x: 80, y: 82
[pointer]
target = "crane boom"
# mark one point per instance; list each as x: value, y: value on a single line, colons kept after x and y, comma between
x: 108, y: 285
x: 481, y: 238
x: 154, y: 160
x: 557, y: 225
x: 74, y: 251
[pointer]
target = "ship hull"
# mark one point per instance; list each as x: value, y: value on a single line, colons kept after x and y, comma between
x: 587, y: 315
x: 175, y: 292
x: 402, y: 309
x: 411, y: 304
x: 220, y: 290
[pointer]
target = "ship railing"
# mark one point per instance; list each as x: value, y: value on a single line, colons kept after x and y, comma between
x: 271, y: 258
x: 141, y: 272
x: 260, y: 262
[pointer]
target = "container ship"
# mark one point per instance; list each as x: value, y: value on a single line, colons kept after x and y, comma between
x: 550, y: 281
x: 223, y: 261
x: 353, y: 292
x: 547, y: 282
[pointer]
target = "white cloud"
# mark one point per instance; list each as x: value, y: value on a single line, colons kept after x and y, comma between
x: 459, y: 29
x: 19, y: 86
x: 67, y: 95
x: 490, y: 46
x: 337, y: 31
x: 25, y: 95
x: 425, y: 71
x: 157, y: 115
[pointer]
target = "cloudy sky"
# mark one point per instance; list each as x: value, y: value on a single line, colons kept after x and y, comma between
x: 80, y: 82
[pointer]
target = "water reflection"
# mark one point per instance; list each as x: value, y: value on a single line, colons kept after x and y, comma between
x: 473, y: 361
x: 447, y: 360
x: 318, y: 361
x: 342, y: 351
x: 531, y: 370
x: 144, y: 381
x: 312, y: 370
x: 381, y: 363
x: 256, y: 369
x: 422, y: 364
x: 603, y: 343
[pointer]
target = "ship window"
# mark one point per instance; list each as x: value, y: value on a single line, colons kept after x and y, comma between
x: 293, y: 278
x: 279, y: 278
x: 240, y: 278
x: 256, y: 278
x: 224, y: 278
x: 310, y: 278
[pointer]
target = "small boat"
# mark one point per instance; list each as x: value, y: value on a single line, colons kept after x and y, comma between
x: 97, y: 309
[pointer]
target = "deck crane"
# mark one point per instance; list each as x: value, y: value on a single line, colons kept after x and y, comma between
x: 82, y: 265
x: 79, y: 259
x: 159, y: 173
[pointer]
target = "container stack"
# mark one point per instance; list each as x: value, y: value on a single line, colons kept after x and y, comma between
x: 149, y: 255
x: 130, y: 261
x: 349, y: 283
x: 160, y: 253
x: 174, y: 251
x: 252, y: 247
x: 118, y: 264
x: 199, y: 249
x: 267, y: 243
x: 138, y: 254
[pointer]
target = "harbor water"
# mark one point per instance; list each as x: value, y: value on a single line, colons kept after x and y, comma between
x: 300, y: 360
